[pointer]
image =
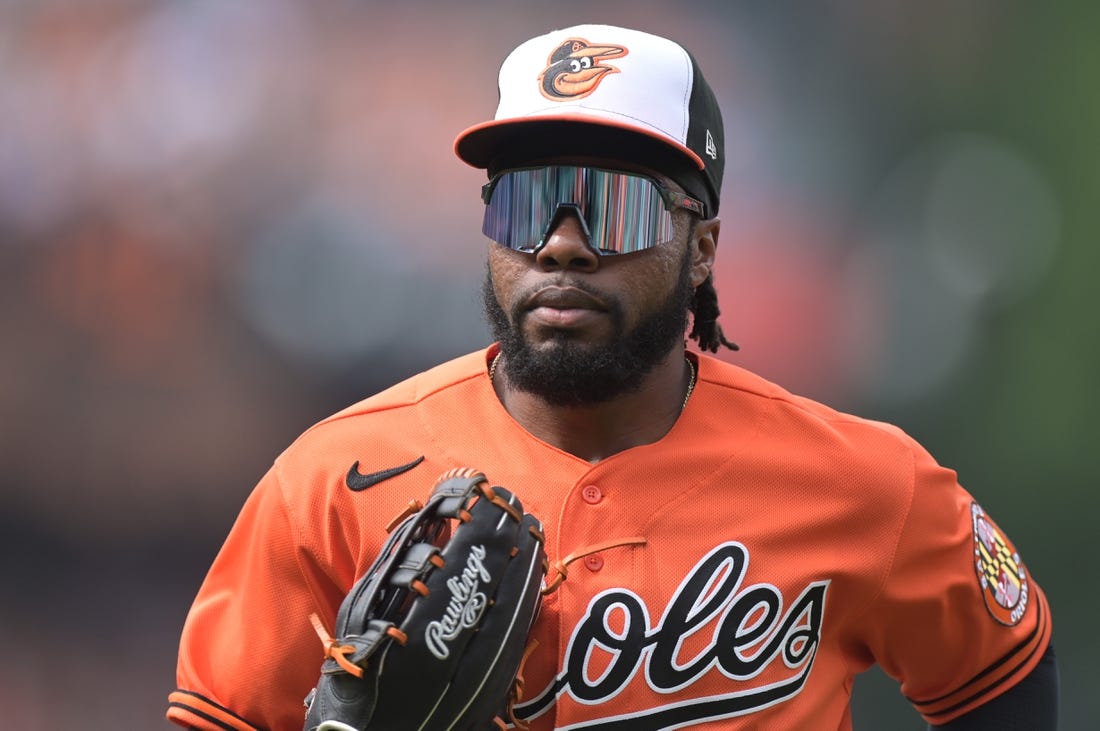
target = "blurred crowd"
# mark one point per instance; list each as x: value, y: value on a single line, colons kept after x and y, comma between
x: 221, y: 221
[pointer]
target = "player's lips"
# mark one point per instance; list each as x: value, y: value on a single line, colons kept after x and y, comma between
x: 563, y: 307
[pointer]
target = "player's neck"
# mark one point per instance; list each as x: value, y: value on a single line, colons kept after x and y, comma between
x: 596, y: 432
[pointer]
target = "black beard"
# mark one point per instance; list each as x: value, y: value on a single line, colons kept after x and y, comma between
x: 572, y: 374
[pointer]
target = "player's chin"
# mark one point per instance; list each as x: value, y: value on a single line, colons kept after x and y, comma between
x: 564, y: 347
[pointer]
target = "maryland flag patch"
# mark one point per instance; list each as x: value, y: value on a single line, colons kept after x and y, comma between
x: 1001, y: 573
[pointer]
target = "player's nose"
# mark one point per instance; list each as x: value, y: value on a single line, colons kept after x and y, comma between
x: 566, y: 245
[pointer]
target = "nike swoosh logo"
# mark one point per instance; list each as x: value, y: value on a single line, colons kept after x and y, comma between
x: 357, y: 481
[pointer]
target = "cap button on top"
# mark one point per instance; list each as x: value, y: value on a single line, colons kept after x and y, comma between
x: 591, y: 494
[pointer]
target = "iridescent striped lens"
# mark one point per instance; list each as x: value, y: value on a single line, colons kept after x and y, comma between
x: 621, y: 212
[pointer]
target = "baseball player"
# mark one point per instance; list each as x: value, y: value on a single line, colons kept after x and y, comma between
x: 723, y: 554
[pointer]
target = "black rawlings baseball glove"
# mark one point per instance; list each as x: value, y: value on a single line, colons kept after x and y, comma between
x: 433, y: 635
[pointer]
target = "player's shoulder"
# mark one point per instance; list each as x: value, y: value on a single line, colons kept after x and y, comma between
x: 440, y: 392
x: 809, y: 442
x: 778, y: 409
x: 440, y: 383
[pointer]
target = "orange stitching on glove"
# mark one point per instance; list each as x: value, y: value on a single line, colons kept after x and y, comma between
x: 462, y: 472
x: 337, y: 652
x: 519, y: 684
x: 561, y: 567
x: 412, y: 508
x: 489, y: 494
x: 515, y: 694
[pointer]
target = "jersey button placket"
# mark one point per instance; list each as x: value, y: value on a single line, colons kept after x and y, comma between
x: 592, y: 495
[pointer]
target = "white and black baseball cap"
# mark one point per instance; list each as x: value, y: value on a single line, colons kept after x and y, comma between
x: 607, y: 92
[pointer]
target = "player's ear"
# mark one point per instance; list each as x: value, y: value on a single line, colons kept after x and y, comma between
x: 704, y: 246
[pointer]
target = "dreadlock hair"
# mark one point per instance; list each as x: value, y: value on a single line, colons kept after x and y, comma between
x: 705, y: 329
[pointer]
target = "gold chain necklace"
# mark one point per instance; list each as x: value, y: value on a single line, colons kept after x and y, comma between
x: 691, y: 383
x: 493, y: 367
x: 691, y: 380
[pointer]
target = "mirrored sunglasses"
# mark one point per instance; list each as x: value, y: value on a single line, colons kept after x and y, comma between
x: 620, y: 212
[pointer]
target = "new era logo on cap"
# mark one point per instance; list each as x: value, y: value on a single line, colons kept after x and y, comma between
x: 605, y: 91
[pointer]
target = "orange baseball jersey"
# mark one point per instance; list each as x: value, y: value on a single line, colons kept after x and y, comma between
x: 770, y: 550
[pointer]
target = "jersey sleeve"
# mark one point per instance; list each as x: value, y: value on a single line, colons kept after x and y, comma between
x: 959, y: 619
x: 248, y: 654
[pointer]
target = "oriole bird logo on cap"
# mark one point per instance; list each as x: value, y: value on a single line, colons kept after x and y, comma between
x: 573, y: 70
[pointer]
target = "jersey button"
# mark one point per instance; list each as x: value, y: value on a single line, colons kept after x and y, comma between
x: 594, y: 562
x: 591, y: 494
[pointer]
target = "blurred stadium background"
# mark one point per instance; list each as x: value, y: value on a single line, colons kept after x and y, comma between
x: 221, y: 221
